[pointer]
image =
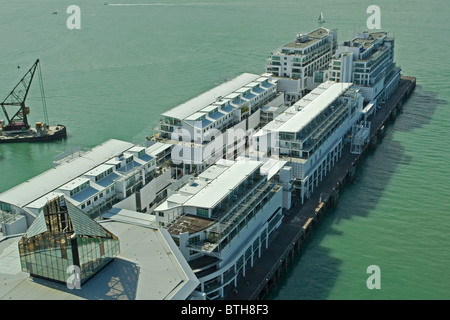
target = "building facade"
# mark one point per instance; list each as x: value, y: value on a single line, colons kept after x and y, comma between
x: 221, y: 220
x: 301, y: 65
x: 368, y: 61
x: 215, y: 124
x: 310, y: 134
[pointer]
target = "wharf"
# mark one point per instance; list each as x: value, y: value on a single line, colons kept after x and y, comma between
x: 266, y: 271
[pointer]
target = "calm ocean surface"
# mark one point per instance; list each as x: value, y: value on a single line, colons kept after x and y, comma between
x: 128, y: 63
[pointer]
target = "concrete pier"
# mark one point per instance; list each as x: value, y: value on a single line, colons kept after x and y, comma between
x: 296, y: 227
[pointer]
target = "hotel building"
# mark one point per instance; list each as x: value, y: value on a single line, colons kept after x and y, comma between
x: 301, y: 65
x: 310, y: 134
x: 368, y: 61
x: 214, y: 125
x: 221, y: 220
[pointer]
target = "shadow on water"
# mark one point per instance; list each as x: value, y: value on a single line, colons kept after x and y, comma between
x: 116, y: 281
x: 314, y: 271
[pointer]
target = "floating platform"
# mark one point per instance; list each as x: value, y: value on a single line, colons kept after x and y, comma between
x: 17, y: 128
x: 49, y: 133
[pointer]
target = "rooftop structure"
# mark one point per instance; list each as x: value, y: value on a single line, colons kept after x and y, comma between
x: 62, y: 236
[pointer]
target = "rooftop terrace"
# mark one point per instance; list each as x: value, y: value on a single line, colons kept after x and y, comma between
x: 305, y: 40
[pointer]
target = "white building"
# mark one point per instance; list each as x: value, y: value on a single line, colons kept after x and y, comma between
x: 221, y: 219
x: 310, y: 134
x: 115, y: 173
x: 368, y: 61
x: 215, y: 124
x: 301, y: 65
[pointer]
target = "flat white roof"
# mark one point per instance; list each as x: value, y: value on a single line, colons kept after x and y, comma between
x: 100, y: 169
x: 187, y: 108
x: 74, y: 183
x: 218, y: 188
x: 160, y: 270
x: 272, y: 167
x: 253, y: 84
x: 261, y: 79
x: 157, y: 148
x: 54, y: 178
x: 328, y: 92
x: 212, y: 172
x: 112, y: 161
x: 188, y: 190
x: 232, y: 95
x: 136, y: 149
x: 129, y: 216
x: 243, y: 89
x: 177, y: 199
x: 41, y: 202
x: 211, y: 185
x: 209, y: 108
x: 195, y: 116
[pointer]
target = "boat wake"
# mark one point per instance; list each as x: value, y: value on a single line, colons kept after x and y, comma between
x: 162, y: 4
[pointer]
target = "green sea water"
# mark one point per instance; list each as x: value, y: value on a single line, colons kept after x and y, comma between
x: 132, y: 60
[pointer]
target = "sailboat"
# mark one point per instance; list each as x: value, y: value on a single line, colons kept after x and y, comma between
x: 321, y: 19
x: 17, y: 127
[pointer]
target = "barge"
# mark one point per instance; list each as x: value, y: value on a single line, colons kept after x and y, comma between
x: 17, y: 128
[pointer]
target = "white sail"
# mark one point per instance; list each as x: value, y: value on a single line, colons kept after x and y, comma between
x: 321, y: 19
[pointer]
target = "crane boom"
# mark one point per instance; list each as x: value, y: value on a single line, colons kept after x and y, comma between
x: 16, y: 98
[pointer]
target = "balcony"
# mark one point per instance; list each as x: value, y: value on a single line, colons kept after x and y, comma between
x: 231, y: 222
x: 165, y: 128
x: 234, y: 216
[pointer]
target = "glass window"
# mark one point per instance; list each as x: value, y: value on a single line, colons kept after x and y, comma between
x: 202, y: 212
